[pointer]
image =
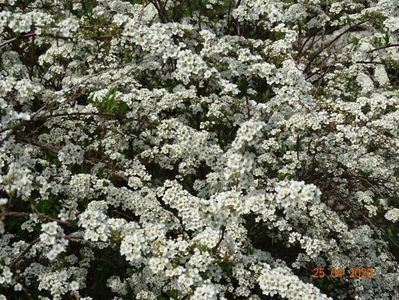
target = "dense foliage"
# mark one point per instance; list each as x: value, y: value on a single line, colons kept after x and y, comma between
x: 199, y: 149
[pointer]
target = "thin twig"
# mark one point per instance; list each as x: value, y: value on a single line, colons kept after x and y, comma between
x: 23, y: 253
x: 370, y: 62
x: 383, y: 47
x: 35, y: 241
x: 27, y: 35
x: 80, y: 114
x: 25, y: 214
x: 223, y: 229
x: 229, y: 18
x: 36, y: 116
x: 329, y: 44
x: 301, y: 48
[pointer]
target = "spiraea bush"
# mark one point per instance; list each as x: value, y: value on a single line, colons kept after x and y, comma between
x: 199, y: 149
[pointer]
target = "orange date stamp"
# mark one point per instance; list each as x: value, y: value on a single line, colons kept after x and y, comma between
x: 339, y: 272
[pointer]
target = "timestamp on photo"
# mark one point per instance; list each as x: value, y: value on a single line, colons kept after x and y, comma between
x: 340, y: 272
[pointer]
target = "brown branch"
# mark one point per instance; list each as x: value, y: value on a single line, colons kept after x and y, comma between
x: 383, y: 47
x: 80, y: 114
x: 123, y: 214
x: 71, y: 237
x: 229, y: 17
x: 379, y: 231
x: 303, y: 46
x: 313, y: 42
x: 329, y: 44
x: 83, y: 26
x: 7, y: 135
x: 55, y: 149
x: 34, y: 116
x: 223, y: 230
x: 26, y: 214
x: 27, y: 35
x: 32, y: 53
x: 23, y: 253
x: 160, y: 9
x: 370, y: 62
x: 44, y: 146
x: 35, y: 241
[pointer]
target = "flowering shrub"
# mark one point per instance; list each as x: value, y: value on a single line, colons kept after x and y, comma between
x: 201, y: 149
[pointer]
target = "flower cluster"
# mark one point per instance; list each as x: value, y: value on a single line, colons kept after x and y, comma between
x: 198, y: 149
x: 52, y: 237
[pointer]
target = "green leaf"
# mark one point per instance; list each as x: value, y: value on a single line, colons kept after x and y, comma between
x: 355, y: 40
x: 110, y: 104
x: 173, y: 294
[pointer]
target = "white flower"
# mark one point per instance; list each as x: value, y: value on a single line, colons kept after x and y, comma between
x: 74, y: 285
x: 365, y: 82
x: 71, y: 154
x: 381, y: 75
x: 205, y: 292
x: 392, y: 215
